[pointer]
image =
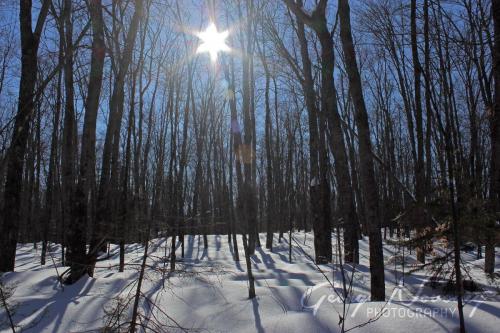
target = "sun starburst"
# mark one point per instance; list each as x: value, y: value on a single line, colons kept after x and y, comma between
x: 213, y: 41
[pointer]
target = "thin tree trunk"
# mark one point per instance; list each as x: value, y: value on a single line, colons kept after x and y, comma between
x: 419, y: 163
x: 76, y: 258
x: 52, y: 177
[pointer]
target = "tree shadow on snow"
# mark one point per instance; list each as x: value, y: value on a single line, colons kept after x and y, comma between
x: 258, y: 322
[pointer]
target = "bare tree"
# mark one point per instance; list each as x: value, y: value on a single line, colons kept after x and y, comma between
x: 368, y: 182
x: 30, y: 41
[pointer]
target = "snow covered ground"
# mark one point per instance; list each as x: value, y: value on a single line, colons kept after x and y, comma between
x: 209, y: 293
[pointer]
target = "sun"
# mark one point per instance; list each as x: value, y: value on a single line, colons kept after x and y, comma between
x: 213, y: 41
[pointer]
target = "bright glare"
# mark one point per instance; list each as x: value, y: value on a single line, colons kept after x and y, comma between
x: 213, y: 41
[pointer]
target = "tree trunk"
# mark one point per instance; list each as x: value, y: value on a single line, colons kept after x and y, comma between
x: 52, y: 176
x: 15, y: 156
x: 489, y: 263
x: 367, y: 171
x: 321, y: 227
x: 86, y: 174
x: 76, y: 254
x: 419, y: 163
x: 111, y: 144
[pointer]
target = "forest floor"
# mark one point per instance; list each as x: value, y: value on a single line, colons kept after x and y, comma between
x: 208, y: 292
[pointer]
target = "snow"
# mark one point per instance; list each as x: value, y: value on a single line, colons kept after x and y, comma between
x: 209, y: 292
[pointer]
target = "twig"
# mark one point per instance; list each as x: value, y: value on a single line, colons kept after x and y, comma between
x: 7, y: 310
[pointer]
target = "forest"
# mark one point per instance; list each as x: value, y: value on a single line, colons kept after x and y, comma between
x: 214, y: 166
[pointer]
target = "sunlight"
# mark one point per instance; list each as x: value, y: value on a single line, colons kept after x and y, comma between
x: 213, y: 41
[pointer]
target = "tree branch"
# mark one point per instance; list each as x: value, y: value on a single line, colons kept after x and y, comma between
x: 300, y: 13
x: 41, y: 20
